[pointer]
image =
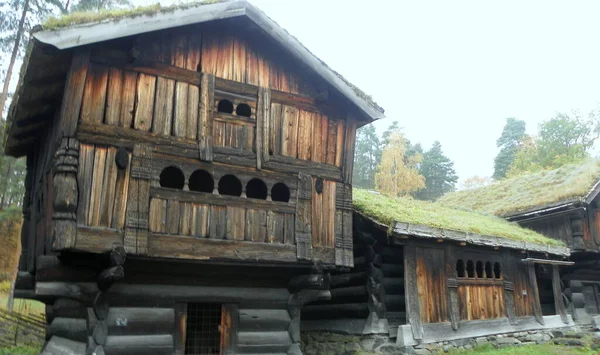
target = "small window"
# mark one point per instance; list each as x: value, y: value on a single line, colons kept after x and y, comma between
x: 201, y: 181
x: 172, y: 178
x: 257, y: 189
x: 497, y: 270
x: 243, y: 110
x: 488, y: 270
x: 479, y: 269
x: 470, y: 269
x: 203, y: 329
x: 230, y: 185
x: 225, y: 106
x: 280, y: 192
x: 460, y: 268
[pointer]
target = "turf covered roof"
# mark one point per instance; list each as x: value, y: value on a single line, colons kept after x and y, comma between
x: 421, y: 218
x: 531, y: 192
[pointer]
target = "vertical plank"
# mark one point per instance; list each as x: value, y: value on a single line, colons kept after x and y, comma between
x: 84, y: 181
x: 559, y: 303
x: 205, y: 119
x: 225, y: 57
x: 509, y: 286
x: 263, y: 115
x: 144, y: 109
x: 193, y: 103
x: 202, y: 220
x: 305, y: 120
x: 289, y: 145
x: 263, y: 72
x: 239, y: 60
x: 229, y: 326
x: 273, y: 76
x: 186, y: 220
x: 194, y: 52
x: 180, y: 112
x: 173, y: 211
x: 236, y: 218
x: 275, y: 129
x: 275, y: 225
x: 114, y: 96
x: 331, y: 141
x: 303, y: 226
x: 288, y: 228
x: 72, y: 100
x: 535, y: 297
x: 128, y: 96
x: 317, y: 141
x: 158, y: 215
x: 339, y: 146
x: 94, y: 94
x: 210, y: 50
x: 349, y: 150
x: 317, y: 217
x: 412, y: 297
x: 180, y: 328
x: 163, y: 106
x: 293, y: 84
x: 97, y: 183
x: 121, y: 190
x: 251, y: 67
x: 108, y: 188
x: 218, y: 223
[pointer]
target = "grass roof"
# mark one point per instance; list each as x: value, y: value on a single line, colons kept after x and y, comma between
x: 530, y: 192
x: 388, y: 210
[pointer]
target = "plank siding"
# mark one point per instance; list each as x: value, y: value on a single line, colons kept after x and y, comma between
x: 481, y: 302
x: 431, y: 284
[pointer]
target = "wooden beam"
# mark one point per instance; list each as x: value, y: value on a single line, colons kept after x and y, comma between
x: 548, y: 262
x: 559, y: 303
x: 537, y: 307
x: 412, y: 293
x: 73, y: 94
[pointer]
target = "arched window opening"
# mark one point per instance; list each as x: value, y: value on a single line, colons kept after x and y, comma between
x: 201, y: 181
x: 488, y: 270
x: 256, y: 188
x: 479, y: 269
x: 230, y: 185
x: 243, y: 110
x: 497, y: 270
x: 171, y: 177
x: 460, y: 268
x: 225, y: 106
x: 470, y: 269
x: 280, y: 192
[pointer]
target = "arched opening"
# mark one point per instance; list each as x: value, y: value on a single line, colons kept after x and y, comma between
x: 479, y: 269
x: 460, y: 268
x: 230, y: 185
x: 280, y: 192
x: 171, y: 177
x: 225, y: 106
x: 257, y: 189
x: 497, y: 270
x: 243, y: 110
x: 488, y: 270
x: 201, y: 181
x: 470, y: 269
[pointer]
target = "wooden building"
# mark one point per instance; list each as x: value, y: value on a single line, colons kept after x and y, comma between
x: 208, y: 148
x: 425, y: 273
x: 562, y: 204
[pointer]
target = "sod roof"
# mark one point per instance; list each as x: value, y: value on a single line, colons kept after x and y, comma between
x: 421, y: 218
x: 531, y: 192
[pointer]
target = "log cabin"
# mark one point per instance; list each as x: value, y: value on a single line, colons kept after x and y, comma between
x: 188, y: 181
x: 562, y: 204
x: 425, y: 273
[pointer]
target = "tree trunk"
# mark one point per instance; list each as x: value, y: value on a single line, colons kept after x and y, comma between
x: 11, y: 64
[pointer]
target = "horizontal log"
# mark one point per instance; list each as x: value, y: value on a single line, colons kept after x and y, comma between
x: 348, y: 279
x: 97, y: 240
x: 395, y: 302
x: 393, y: 285
x: 62, y: 346
x: 268, y: 338
x: 263, y: 319
x: 70, y: 328
x: 393, y: 255
x: 24, y: 281
x: 345, y: 292
x: 392, y: 269
x: 51, y: 268
x: 127, y: 321
x: 81, y: 291
x: 323, y: 311
x: 313, y: 282
x: 66, y: 308
x: 139, y: 344
x: 170, y: 246
x: 287, y: 164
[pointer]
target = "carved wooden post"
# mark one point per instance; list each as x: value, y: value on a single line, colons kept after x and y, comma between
x: 207, y: 102
x: 138, y: 201
x: 577, y: 231
x: 412, y: 293
x: 344, y: 254
x: 66, y: 194
x: 303, y: 218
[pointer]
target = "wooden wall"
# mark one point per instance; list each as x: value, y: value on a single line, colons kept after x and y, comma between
x: 481, y: 301
x: 431, y: 284
x: 523, y: 290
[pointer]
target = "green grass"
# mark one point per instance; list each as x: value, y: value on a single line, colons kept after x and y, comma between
x: 26, y: 307
x: 388, y: 210
x: 78, y: 18
x: 529, y: 191
x: 20, y: 350
x: 541, y: 349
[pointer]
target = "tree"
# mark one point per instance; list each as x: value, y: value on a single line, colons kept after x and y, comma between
x: 509, y: 142
x: 439, y: 174
x: 396, y: 175
x: 475, y: 182
x: 366, y: 157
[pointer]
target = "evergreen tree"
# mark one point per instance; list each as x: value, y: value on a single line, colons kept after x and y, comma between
x: 509, y: 142
x: 439, y: 174
x: 366, y: 157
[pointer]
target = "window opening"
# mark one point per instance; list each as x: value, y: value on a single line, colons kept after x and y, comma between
x: 171, y: 177
x: 479, y: 269
x: 201, y: 181
x: 497, y: 270
x: 203, y: 334
x: 488, y: 270
x: 280, y: 192
x: 470, y: 269
x: 243, y: 110
x: 256, y: 188
x: 225, y: 106
x: 230, y: 185
x: 460, y: 268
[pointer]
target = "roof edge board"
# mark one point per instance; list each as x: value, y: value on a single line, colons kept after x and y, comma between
x: 84, y: 34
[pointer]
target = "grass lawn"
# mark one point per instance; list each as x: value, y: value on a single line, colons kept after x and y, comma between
x: 20, y: 350
x: 542, y: 349
x: 26, y: 307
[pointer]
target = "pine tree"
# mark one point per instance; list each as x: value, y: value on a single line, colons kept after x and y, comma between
x: 512, y: 136
x: 366, y: 157
x: 439, y: 174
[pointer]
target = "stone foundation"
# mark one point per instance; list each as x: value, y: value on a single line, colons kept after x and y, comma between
x: 323, y: 343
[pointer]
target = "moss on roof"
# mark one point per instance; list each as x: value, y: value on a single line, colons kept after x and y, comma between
x: 91, y: 17
x: 388, y: 210
x: 530, y: 192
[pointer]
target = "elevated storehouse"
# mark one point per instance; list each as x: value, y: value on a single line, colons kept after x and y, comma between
x: 425, y: 273
x: 206, y: 147
x: 562, y: 204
